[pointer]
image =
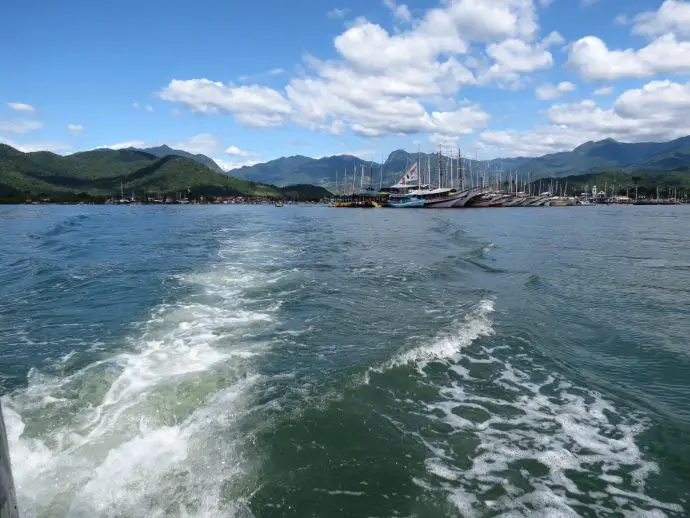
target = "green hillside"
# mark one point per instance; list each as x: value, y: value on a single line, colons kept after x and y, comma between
x: 104, y: 172
x: 623, y: 182
x: 161, y: 151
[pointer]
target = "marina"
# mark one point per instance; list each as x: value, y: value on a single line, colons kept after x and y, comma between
x: 453, y: 185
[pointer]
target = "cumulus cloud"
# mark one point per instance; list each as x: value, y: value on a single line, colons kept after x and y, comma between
x: 75, y: 128
x: 672, y: 17
x: 513, y: 57
x: 254, y: 105
x: 21, y: 107
x: 593, y: 60
x: 392, y: 83
x: 657, y: 111
x: 549, y: 92
x: 236, y: 151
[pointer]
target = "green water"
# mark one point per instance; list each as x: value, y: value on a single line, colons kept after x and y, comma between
x: 315, y: 362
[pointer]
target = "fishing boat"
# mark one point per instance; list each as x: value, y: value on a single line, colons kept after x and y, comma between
x: 278, y: 203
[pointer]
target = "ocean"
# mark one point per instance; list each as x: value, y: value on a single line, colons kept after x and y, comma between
x: 253, y: 361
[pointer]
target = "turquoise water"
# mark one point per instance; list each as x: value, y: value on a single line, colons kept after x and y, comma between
x: 313, y: 362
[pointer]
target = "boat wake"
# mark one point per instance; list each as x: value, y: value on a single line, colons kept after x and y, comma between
x: 513, y: 438
x: 152, y: 429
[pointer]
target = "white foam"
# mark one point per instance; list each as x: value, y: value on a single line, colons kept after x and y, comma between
x: 571, y: 430
x: 447, y: 345
x: 148, y: 431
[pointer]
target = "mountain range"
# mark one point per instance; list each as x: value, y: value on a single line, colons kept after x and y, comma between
x: 107, y: 172
x: 164, y: 150
x: 590, y: 157
x: 163, y: 169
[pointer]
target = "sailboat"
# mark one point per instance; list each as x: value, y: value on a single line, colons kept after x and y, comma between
x: 411, y: 192
x: 401, y: 195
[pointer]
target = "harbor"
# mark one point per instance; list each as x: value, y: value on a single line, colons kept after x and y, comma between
x: 452, y: 185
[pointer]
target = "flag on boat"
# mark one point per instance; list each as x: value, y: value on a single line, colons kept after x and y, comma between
x: 410, y: 175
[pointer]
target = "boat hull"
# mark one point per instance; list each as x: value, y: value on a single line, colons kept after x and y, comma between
x: 409, y: 204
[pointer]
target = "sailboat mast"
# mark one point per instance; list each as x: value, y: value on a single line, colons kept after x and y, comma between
x: 452, y: 174
x: 381, y: 175
x: 419, y: 174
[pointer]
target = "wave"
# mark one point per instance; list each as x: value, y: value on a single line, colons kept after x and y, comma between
x: 148, y: 431
x: 509, y: 436
x: 541, y: 444
x: 447, y: 345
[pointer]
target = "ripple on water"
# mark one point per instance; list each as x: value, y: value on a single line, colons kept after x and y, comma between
x: 514, y: 439
x: 148, y: 431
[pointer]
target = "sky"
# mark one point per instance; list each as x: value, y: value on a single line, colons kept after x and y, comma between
x: 246, y: 82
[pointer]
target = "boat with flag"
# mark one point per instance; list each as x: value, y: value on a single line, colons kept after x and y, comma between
x: 400, y: 196
x: 410, y: 192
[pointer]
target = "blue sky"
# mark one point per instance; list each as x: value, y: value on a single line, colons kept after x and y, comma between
x: 246, y: 82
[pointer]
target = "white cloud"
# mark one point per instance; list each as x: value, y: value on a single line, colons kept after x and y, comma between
x: 226, y: 165
x: 401, y: 13
x: 549, y: 92
x: 658, y: 111
x: 19, y: 126
x: 338, y: 13
x: 554, y: 38
x: 21, y: 107
x: 203, y: 143
x: 545, y: 3
x: 392, y: 83
x: 126, y: 144
x: 514, y: 57
x: 75, y: 128
x: 252, y: 105
x: 383, y: 82
x: 592, y: 59
x: 673, y: 16
x: 30, y: 147
x: 148, y: 108
x: 236, y: 151
x: 604, y: 90
x: 135, y: 105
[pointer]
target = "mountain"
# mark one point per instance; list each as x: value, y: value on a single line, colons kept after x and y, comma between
x: 102, y: 172
x: 651, y: 157
x: 162, y: 151
x: 609, y: 153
